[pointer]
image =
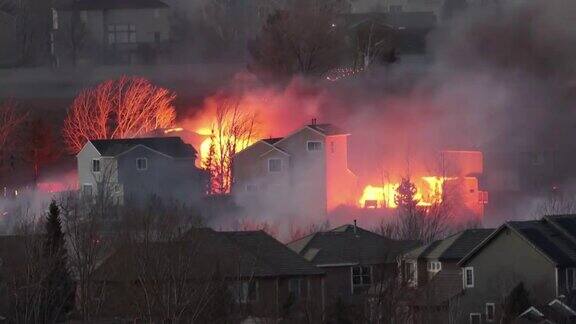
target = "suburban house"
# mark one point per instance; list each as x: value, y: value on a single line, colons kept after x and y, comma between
x: 353, y: 259
x: 134, y: 169
x: 230, y: 275
x: 305, y: 173
x: 539, y: 254
x: 112, y: 31
x: 433, y: 271
x: 556, y: 311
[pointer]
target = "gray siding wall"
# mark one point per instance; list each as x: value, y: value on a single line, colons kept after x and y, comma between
x: 165, y: 176
x: 500, y: 266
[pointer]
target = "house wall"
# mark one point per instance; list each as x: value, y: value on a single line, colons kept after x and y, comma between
x: 125, y: 300
x: 146, y: 21
x: 106, y: 179
x: 165, y: 177
x: 307, y: 173
x: 500, y: 266
x: 340, y: 181
x: 339, y: 282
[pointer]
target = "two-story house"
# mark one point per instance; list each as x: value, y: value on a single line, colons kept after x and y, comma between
x: 433, y: 271
x: 112, y: 31
x: 134, y: 169
x: 305, y: 173
x: 540, y: 254
x: 230, y: 275
x: 353, y: 259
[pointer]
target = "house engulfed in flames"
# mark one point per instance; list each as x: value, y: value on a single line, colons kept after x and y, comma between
x: 458, y: 181
x: 305, y: 173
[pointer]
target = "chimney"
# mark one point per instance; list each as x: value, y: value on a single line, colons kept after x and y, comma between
x: 313, y: 121
x: 355, y: 228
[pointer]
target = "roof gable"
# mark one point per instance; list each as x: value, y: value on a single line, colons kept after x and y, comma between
x: 542, y: 235
x: 347, y: 245
x: 171, y: 146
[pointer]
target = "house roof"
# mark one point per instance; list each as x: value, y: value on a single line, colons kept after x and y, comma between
x: 272, y: 141
x: 554, y: 312
x: 552, y: 236
x: 346, y: 245
x: 113, y: 4
x: 327, y: 129
x: 234, y: 254
x: 454, y: 247
x: 171, y: 146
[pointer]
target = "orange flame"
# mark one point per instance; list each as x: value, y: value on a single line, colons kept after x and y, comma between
x: 429, y: 191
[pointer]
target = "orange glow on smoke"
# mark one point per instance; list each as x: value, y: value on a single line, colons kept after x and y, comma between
x: 429, y: 191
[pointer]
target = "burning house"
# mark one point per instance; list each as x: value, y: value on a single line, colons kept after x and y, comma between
x: 305, y: 173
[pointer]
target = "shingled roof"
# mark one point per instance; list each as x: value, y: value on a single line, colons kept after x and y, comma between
x: 235, y: 254
x: 349, y: 245
x: 113, y: 4
x: 327, y: 129
x: 553, y: 236
x: 454, y: 247
x: 171, y: 146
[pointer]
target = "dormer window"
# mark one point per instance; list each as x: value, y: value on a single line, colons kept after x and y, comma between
x: 314, y: 146
x: 141, y: 164
x: 95, y: 165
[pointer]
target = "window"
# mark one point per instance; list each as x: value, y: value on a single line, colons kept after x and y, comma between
x: 95, y: 165
x: 475, y: 318
x: 571, y: 278
x: 245, y: 291
x: 490, y: 310
x: 141, y: 164
x: 83, y: 16
x: 434, y: 266
x: 251, y: 188
x: 274, y: 165
x: 469, y: 277
x: 410, y: 274
x: 361, y: 277
x: 295, y: 288
x: 121, y: 34
x: 314, y: 146
x: 396, y: 8
x: 87, y: 189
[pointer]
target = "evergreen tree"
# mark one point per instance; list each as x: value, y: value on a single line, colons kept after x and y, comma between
x: 406, y: 195
x: 58, y: 285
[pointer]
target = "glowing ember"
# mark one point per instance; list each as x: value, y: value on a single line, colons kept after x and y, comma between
x: 172, y: 130
x: 429, y: 192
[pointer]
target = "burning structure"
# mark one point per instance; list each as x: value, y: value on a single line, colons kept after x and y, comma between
x: 305, y: 173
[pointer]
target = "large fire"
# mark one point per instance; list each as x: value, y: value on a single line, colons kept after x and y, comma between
x: 430, y: 190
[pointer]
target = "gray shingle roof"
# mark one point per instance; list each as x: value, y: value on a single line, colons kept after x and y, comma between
x: 553, y: 236
x: 327, y: 129
x: 344, y: 245
x: 235, y: 254
x: 171, y: 146
x: 272, y: 141
x: 454, y: 247
x: 113, y: 4
x: 548, y: 239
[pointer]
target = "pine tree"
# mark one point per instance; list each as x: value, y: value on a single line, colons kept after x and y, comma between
x: 58, y: 285
x: 406, y: 195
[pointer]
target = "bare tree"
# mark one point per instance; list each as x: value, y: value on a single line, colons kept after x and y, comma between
x: 10, y: 122
x: 304, y: 40
x: 122, y: 108
x: 232, y: 131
